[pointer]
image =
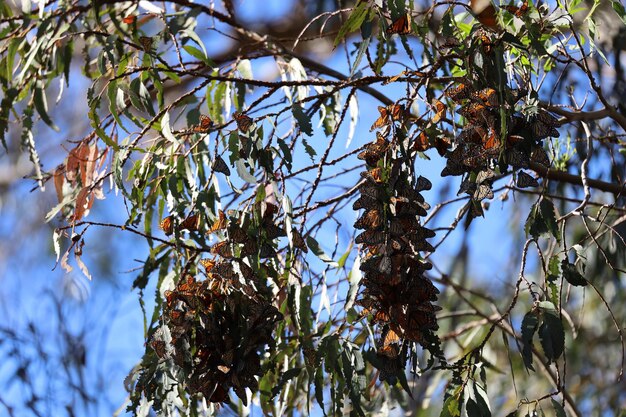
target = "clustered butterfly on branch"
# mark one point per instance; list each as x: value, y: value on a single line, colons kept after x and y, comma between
x: 396, y: 295
x: 216, y: 329
x: 500, y: 128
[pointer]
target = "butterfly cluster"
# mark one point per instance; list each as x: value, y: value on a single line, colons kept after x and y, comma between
x: 484, y: 145
x: 190, y: 223
x: 221, y: 320
x: 396, y: 295
x: 228, y: 330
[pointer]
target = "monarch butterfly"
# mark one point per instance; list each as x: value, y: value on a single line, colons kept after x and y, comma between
x: 542, y: 131
x: 222, y: 249
x: 249, y: 247
x: 484, y: 175
x: 186, y: 286
x: 517, y: 158
x: 371, y: 219
x: 366, y: 202
x: 442, y: 144
x: 400, y: 26
x: 205, y: 124
x: 220, y: 223
x: 422, y: 232
x: 402, y: 206
x: 389, y: 343
x: 540, y: 156
x: 298, y: 241
x: 483, y: 191
x: 191, y: 223
x: 167, y: 225
x: 472, y: 133
x: 146, y: 43
x: 267, y: 251
x: 485, y: 13
x: 243, y: 121
x: 371, y: 237
x: 517, y: 94
x: 219, y: 165
x: 374, y: 175
x: 409, y: 193
x: 491, y: 140
x: 388, y: 114
x: 389, y: 368
x: 422, y: 184
x: 237, y: 235
x: 488, y: 96
x: 422, y: 320
x: 421, y: 142
x: 177, y: 317
x: 375, y: 151
x: 459, y: 92
x: 517, y: 11
x: 246, y: 271
x: 310, y: 357
x: 130, y: 19
x: 544, y: 125
x: 512, y: 140
x: 208, y: 264
x: 485, y: 40
x: 475, y: 113
x: 373, y: 191
x: 159, y: 347
x: 524, y: 180
x: 440, y: 111
x: 450, y: 42
x: 269, y: 210
x: 371, y: 264
x: 224, y: 270
x: 272, y: 231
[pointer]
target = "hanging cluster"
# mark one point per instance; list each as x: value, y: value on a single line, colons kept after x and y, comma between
x: 220, y: 326
x: 396, y: 295
x: 494, y: 133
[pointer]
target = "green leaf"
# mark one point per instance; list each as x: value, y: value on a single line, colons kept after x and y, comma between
x: 284, y: 378
x: 198, y: 54
x: 319, y: 388
x: 551, y: 333
x: 542, y: 220
x: 115, y: 96
x: 451, y: 408
x: 477, y: 404
x: 319, y: 252
x: 193, y: 36
x: 41, y: 105
x: 619, y: 9
x: 571, y: 274
x: 474, y: 409
x: 533, y: 226
x: 303, y: 120
x: 309, y: 150
x: 363, y: 45
x: 243, y: 172
x: 529, y: 327
x: 354, y: 279
x: 353, y: 22
x: 558, y: 408
x: 553, y: 268
x: 548, y: 214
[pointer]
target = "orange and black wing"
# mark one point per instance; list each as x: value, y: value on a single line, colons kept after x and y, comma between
x: 400, y: 26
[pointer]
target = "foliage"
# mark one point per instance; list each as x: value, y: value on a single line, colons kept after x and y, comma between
x: 242, y: 169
